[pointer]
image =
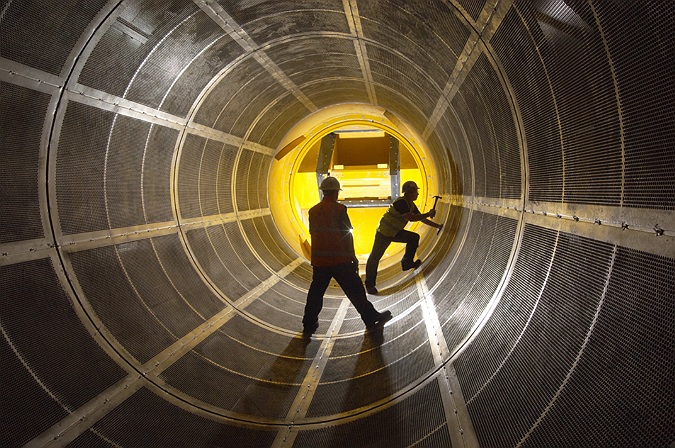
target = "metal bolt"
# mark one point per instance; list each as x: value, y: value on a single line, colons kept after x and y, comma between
x: 659, y: 231
x: 624, y: 225
x: 597, y: 221
x: 576, y: 218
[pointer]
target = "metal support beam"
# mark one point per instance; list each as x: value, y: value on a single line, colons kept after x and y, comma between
x: 355, y: 28
x: 83, y: 418
x: 647, y: 230
x: 488, y: 22
x: 298, y: 410
x: 239, y: 35
x: 325, y: 156
x: 394, y: 167
x: 462, y: 433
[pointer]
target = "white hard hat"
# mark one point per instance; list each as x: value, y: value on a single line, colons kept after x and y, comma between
x: 330, y: 184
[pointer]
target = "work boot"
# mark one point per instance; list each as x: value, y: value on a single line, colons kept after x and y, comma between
x: 379, y: 320
x: 407, y: 265
x: 371, y: 290
x: 309, y: 329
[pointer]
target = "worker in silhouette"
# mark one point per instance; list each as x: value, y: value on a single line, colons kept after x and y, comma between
x: 333, y: 256
x: 391, y: 229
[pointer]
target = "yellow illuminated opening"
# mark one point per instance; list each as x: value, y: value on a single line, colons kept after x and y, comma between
x: 359, y: 160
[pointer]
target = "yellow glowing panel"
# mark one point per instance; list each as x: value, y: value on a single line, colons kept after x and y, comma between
x: 362, y: 134
x: 305, y: 190
x: 364, y: 183
x: 416, y: 176
x: 364, y: 221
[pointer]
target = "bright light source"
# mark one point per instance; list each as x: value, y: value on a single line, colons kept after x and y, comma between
x: 338, y: 167
x: 382, y: 165
x: 360, y: 134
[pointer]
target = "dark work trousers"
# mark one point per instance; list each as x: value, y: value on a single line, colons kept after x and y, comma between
x: 350, y: 282
x: 411, y: 240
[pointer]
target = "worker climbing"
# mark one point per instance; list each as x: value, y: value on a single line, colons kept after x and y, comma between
x: 391, y: 229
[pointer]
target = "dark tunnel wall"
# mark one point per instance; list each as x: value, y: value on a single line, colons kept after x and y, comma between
x: 148, y: 297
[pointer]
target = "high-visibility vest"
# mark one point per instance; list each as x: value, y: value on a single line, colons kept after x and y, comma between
x: 331, y: 234
x: 392, y: 221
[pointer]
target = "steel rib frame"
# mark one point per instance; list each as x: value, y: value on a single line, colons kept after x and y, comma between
x: 147, y: 374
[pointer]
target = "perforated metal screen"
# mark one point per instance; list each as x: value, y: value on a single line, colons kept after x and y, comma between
x: 149, y: 296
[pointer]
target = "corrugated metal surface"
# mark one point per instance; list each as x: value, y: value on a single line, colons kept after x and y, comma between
x: 629, y: 349
x: 80, y: 166
x: 20, y: 152
x: 26, y: 30
x: 41, y: 327
x: 642, y: 57
x: 484, y: 108
x: 370, y: 371
x: 546, y: 351
x: 115, y: 61
x: 156, y: 183
x: 513, y: 313
x: 128, y: 315
x: 136, y: 423
x: 418, y: 420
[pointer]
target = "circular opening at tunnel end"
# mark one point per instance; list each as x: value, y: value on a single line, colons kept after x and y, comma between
x: 369, y: 150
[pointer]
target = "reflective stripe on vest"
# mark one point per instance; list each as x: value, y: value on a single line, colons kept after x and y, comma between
x: 392, y: 221
x: 329, y: 241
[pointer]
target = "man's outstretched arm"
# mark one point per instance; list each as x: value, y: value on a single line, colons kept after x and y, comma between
x: 413, y: 217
